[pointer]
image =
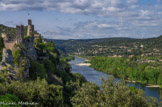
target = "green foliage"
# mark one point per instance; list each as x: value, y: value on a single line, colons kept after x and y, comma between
x: 16, y: 55
x: 37, y: 91
x: 68, y: 58
x: 38, y: 41
x: 110, y: 95
x: 49, y: 65
x: 19, y: 54
x: 10, y: 30
x: 25, y: 37
x: 3, y: 77
x: 79, y: 77
x: 20, y: 60
x: 64, y: 75
x: 37, y: 70
x: 86, y: 95
x: 50, y: 47
x: 9, y: 98
x: 126, y: 68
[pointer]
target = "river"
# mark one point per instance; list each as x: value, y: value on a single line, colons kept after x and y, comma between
x: 95, y: 76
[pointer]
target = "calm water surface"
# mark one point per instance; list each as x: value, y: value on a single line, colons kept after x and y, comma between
x: 95, y: 76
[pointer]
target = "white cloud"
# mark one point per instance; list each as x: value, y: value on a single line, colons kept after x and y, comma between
x: 132, y: 1
x: 131, y: 17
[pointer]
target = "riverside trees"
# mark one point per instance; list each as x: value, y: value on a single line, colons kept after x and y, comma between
x: 128, y: 68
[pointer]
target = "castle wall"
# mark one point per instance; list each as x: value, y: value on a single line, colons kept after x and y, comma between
x: 30, y: 47
x: 6, y: 37
x: 20, y: 34
x: 27, y: 42
x: 9, y: 44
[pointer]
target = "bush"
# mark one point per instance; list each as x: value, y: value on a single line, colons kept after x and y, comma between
x: 110, y: 95
x: 37, y: 91
x: 9, y: 98
x: 49, y: 65
x: 3, y: 77
x: 37, y: 70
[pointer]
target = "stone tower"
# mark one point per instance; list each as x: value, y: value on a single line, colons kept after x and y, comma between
x: 4, y: 36
x: 30, y: 30
x: 20, y: 34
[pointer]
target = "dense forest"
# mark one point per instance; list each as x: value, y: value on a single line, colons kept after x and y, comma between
x: 130, y: 69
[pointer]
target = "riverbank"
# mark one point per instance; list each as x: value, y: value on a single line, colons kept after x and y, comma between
x: 146, y: 85
x: 83, y: 64
x: 130, y: 81
x: 152, y: 86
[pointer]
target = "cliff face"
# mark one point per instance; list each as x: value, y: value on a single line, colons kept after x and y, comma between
x: 7, y: 57
x: 7, y: 64
x: 13, y: 69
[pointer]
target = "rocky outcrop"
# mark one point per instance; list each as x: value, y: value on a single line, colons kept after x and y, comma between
x: 7, y: 57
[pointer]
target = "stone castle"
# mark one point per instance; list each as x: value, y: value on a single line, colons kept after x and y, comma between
x: 27, y: 41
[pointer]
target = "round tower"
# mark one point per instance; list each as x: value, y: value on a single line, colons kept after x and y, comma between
x: 30, y: 29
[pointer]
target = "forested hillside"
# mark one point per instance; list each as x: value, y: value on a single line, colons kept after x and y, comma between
x: 7, y: 29
x: 112, y: 46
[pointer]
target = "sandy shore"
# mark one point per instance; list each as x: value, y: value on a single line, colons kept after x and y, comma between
x: 147, y: 85
x: 153, y: 86
x: 84, y: 64
x: 131, y: 81
x: 86, y: 60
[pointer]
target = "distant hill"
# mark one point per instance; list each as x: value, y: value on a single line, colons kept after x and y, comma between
x: 111, y: 46
x: 7, y: 29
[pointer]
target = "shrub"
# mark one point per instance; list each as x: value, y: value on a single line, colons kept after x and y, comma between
x: 37, y: 70
x: 37, y: 91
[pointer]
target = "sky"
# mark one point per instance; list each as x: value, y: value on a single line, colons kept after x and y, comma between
x: 86, y: 19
